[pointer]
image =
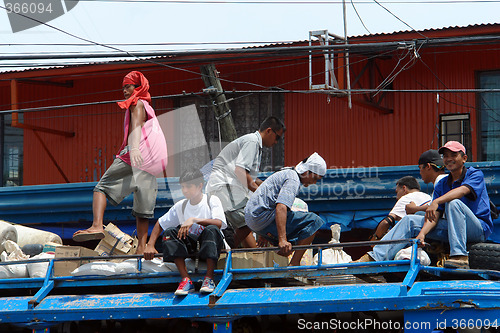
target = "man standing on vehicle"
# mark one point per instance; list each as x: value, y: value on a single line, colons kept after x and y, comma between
x: 234, y: 175
x: 463, y: 197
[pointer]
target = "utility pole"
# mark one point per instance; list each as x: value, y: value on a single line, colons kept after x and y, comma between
x: 210, y: 76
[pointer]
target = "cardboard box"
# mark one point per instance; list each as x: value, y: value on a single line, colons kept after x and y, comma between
x: 116, y: 242
x: 256, y: 259
x: 64, y: 268
x: 50, y: 247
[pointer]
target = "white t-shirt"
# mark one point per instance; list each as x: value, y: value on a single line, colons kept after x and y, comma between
x: 419, y: 198
x: 438, y: 178
x: 244, y: 152
x: 202, y: 210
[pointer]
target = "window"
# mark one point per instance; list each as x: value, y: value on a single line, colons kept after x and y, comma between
x: 489, y: 117
x: 456, y: 127
x: 12, y: 152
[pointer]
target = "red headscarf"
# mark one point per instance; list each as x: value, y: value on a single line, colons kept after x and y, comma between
x: 141, y: 92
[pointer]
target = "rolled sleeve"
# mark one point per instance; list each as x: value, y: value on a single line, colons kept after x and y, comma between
x: 474, y: 182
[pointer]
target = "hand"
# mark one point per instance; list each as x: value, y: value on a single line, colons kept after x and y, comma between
x: 149, y: 252
x: 421, y: 238
x: 430, y: 212
x: 261, y: 241
x: 135, y: 157
x: 184, y: 230
x: 285, y: 248
x: 411, y: 208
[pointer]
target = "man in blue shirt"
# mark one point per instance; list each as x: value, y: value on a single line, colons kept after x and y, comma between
x: 462, y: 196
x: 268, y: 212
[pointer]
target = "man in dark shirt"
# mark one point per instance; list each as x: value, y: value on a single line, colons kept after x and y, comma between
x: 463, y: 197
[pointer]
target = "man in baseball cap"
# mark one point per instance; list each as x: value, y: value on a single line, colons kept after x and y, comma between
x: 431, y: 167
x: 463, y: 197
x: 453, y: 146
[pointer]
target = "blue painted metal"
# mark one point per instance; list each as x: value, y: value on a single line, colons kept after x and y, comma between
x: 444, y: 300
x: 335, y: 199
x: 354, y: 198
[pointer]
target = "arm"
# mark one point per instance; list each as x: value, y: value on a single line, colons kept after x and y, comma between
x: 245, y: 178
x: 184, y: 230
x: 137, y: 119
x: 426, y: 228
x: 285, y: 246
x: 150, y: 251
x: 384, y: 226
x: 456, y: 193
x: 412, y: 208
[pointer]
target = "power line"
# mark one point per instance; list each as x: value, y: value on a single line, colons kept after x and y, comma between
x: 286, y: 2
x: 117, y: 49
x: 409, y: 26
x: 267, y: 91
x: 363, y: 23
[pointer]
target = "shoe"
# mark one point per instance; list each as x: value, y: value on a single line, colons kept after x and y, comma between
x: 457, y: 262
x: 365, y: 258
x: 208, y: 285
x: 185, y: 287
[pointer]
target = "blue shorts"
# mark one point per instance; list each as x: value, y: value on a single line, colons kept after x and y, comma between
x: 299, y: 225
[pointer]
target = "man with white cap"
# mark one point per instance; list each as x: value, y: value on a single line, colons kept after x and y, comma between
x: 463, y: 197
x: 268, y: 212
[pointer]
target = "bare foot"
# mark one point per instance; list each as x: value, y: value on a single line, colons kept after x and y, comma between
x: 91, y: 233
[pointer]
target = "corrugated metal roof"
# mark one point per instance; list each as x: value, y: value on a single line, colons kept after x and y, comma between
x: 435, y: 30
x: 474, y: 29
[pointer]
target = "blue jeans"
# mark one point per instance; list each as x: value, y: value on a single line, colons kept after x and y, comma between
x: 299, y: 225
x: 460, y: 226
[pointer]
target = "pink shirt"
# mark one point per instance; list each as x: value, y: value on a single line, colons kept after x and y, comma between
x: 153, y: 146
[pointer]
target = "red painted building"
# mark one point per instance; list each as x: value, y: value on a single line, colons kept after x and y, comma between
x: 433, y: 89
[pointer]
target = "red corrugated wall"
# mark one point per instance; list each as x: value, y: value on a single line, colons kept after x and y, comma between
x: 316, y: 122
x: 363, y: 137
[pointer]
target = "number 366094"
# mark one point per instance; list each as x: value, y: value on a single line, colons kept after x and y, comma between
x: 28, y: 8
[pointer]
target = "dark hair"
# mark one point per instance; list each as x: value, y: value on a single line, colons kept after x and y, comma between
x: 409, y: 181
x: 272, y: 122
x: 192, y: 176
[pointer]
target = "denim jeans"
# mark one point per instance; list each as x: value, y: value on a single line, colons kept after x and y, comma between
x: 299, y: 225
x: 460, y: 226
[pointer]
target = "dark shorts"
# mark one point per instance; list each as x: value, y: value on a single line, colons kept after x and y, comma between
x: 210, y: 239
x: 299, y: 225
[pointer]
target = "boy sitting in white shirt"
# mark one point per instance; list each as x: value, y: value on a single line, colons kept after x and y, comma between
x: 196, y: 218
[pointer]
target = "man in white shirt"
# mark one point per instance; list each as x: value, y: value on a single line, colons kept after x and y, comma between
x: 234, y: 175
x: 407, y: 190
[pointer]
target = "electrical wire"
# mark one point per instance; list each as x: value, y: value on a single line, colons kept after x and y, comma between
x: 409, y: 26
x: 117, y: 49
x: 363, y: 23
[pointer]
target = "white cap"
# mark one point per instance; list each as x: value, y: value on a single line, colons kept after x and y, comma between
x: 314, y: 163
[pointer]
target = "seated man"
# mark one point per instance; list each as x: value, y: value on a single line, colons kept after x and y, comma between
x: 431, y: 167
x: 407, y: 191
x: 462, y: 196
x: 268, y: 212
x: 197, y: 218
